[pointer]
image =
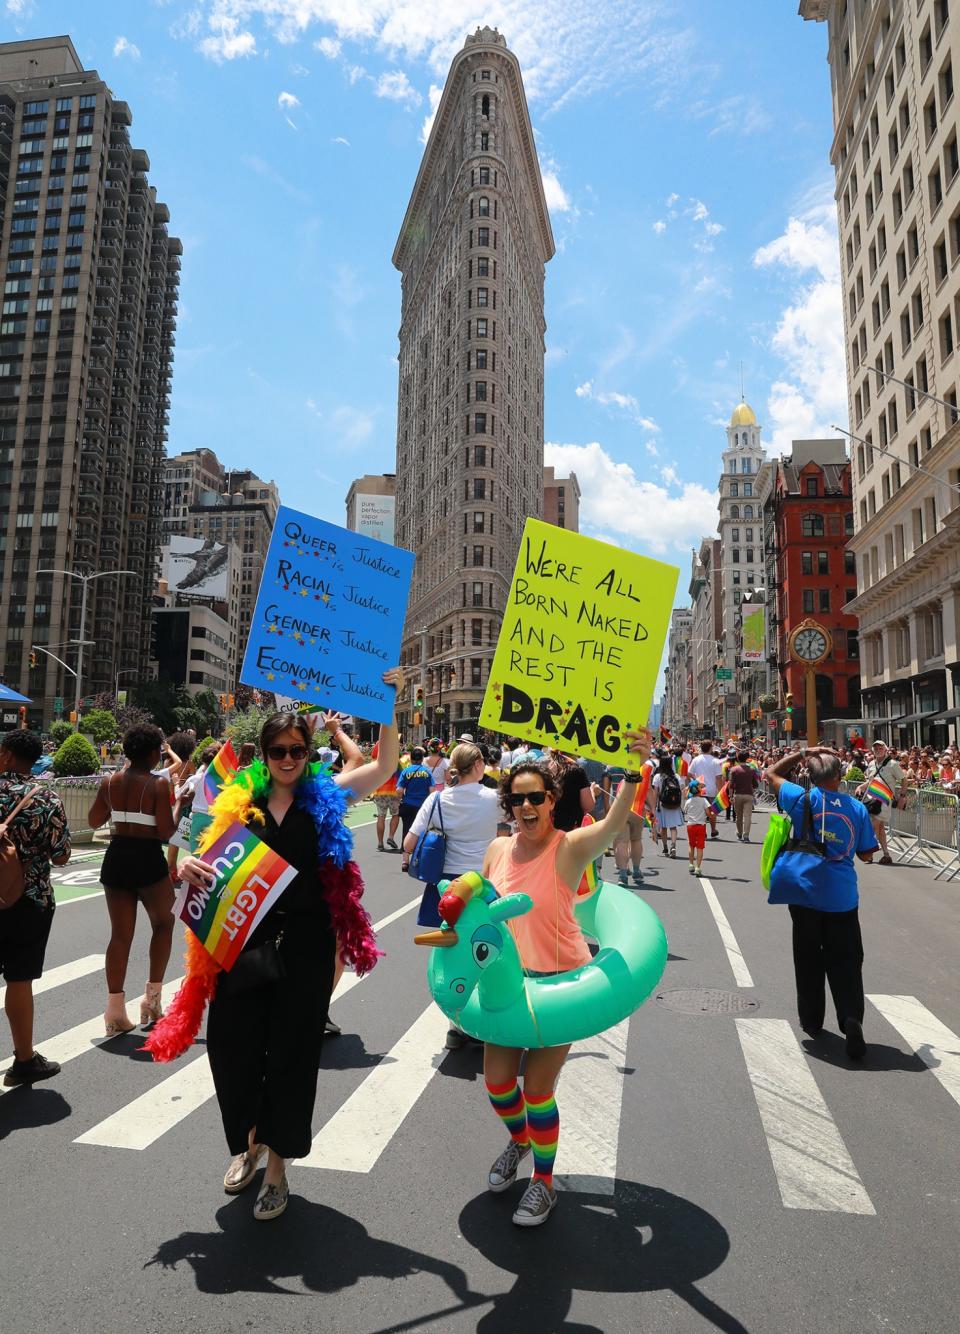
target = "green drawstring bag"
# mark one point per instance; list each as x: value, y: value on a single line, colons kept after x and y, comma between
x: 779, y: 833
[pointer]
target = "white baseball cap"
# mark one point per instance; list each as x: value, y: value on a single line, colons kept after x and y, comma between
x: 465, y: 736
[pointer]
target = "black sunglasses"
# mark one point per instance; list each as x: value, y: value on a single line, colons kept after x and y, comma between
x: 281, y: 752
x: 518, y: 798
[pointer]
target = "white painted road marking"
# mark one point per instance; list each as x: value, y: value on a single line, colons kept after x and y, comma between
x: 65, y: 972
x: 362, y: 1127
x: 84, y: 1037
x: 936, y: 1045
x: 590, y: 1098
x: 141, y: 1122
x: 813, y: 1168
x: 741, y: 973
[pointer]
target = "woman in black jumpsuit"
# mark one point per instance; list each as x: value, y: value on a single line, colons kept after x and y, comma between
x: 265, y: 1025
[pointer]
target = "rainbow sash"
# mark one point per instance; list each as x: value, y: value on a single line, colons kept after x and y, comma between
x: 250, y: 879
x: 878, y: 789
x: 221, y: 770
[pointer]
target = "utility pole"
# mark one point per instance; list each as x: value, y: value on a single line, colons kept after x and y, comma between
x: 81, y: 643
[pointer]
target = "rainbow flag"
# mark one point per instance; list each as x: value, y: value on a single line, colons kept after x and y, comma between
x: 754, y: 765
x: 878, y: 789
x: 221, y: 770
x: 251, y: 877
x: 680, y: 766
x: 589, y: 884
x: 641, y: 789
x: 721, y: 801
x: 665, y: 735
x: 648, y: 820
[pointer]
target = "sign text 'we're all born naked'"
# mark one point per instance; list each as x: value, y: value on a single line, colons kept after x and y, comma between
x: 579, y: 651
x: 329, y: 617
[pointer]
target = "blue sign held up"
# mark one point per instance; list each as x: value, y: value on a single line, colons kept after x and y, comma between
x: 329, y: 617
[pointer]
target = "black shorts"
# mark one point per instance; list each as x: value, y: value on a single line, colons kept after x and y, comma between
x: 133, y: 864
x: 24, y: 931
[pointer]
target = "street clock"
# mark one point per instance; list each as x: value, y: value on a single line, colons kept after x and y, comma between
x: 810, y: 643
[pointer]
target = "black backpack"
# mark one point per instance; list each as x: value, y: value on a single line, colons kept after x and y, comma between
x: 670, y: 794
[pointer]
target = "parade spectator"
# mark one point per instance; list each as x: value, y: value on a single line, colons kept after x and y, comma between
x: 139, y: 806
x: 386, y: 799
x: 576, y: 798
x: 695, y: 810
x: 413, y: 787
x: 885, y: 768
x: 40, y: 837
x: 827, y: 944
x: 706, y: 768
x: 669, y: 804
x: 437, y: 763
x: 744, y: 782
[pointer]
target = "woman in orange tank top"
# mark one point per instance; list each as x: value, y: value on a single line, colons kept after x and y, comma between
x: 547, y: 864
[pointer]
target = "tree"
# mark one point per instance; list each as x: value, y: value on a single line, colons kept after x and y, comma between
x: 76, y: 756
x: 60, y: 729
x: 202, y: 746
x: 247, y: 726
x: 133, y: 716
x: 100, y: 724
x: 159, y: 699
x: 207, y: 703
x: 105, y: 700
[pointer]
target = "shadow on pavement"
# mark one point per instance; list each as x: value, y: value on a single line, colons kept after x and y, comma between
x: 347, y: 1052
x: 831, y: 1049
x: 642, y: 1239
x: 313, y: 1246
x: 27, y: 1107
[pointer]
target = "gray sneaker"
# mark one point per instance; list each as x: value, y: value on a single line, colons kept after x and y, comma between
x: 504, y: 1171
x: 534, y: 1209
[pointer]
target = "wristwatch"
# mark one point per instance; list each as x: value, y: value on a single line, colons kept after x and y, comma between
x: 632, y: 777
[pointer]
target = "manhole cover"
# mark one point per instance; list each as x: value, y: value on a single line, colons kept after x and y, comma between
x: 705, y: 1000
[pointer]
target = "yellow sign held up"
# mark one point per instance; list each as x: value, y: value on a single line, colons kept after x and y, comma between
x: 579, y: 651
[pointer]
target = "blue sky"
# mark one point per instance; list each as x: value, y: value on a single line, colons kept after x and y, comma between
x: 685, y: 152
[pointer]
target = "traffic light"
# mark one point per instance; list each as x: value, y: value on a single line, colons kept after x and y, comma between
x: 23, y: 715
x: 229, y: 701
x: 223, y: 703
x: 789, y: 702
x: 418, y: 699
x: 34, y: 659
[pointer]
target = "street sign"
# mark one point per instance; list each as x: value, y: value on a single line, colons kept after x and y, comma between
x: 724, y: 674
x: 58, y: 706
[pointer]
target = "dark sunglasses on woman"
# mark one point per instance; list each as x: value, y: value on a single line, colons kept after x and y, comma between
x: 281, y: 752
x: 518, y: 798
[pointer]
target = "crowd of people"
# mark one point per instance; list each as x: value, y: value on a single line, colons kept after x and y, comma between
x: 531, y: 817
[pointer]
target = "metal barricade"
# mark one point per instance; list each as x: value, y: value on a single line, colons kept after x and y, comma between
x: 940, y: 829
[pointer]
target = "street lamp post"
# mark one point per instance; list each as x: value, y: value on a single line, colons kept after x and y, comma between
x: 81, y: 643
x: 124, y: 671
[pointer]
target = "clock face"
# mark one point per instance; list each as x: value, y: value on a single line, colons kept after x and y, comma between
x: 810, y: 644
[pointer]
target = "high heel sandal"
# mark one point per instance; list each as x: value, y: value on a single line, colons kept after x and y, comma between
x: 116, y: 1020
x: 150, y: 1007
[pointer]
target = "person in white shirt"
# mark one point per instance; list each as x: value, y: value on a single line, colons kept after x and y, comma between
x: 696, y: 812
x: 706, y: 768
x: 439, y: 764
x: 469, y: 813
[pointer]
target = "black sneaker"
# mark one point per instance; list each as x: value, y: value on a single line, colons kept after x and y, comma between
x: 455, y: 1039
x: 853, y: 1031
x: 29, y: 1072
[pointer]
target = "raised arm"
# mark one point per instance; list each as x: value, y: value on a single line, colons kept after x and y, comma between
x: 348, y: 748
x: 368, y: 777
x: 582, y: 846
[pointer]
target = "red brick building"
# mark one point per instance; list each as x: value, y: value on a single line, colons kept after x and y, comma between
x: 811, y: 520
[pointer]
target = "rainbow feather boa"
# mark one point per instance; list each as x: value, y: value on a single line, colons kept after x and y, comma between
x: 326, y: 804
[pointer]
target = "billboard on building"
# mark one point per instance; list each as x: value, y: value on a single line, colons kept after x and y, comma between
x: 197, y: 568
x: 754, y: 634
x: 375, y: 516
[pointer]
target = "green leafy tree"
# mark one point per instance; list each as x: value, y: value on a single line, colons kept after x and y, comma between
x: 188, y: 718
x: 159, y: 699
x: 100, y: 724
x: 208, y: 704
x: 246, y: 726
x: 76, y: 756
x: 60, y: 729
x: 201, y: 747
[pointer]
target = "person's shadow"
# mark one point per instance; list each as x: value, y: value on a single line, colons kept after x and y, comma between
x: 26, y: 1108
x: 320, y: 1247
x: 640, y: 1239
x: 831, y: 1049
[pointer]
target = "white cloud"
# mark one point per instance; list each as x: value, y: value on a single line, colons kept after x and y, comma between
x: 352, y: 426
x: 812, y: 392
x: 611, y: 398
x: 397, y: 87
x: 637, y: 512
x: 671, y: 200
x: 329, y: 47
x: 433, y: 97
x: 123, y: 47
x: 287, y: 101
x: 340, y: 140
x: 659, y: 226
x: 228, y: 40
x: 558, y: 201
x: 300, y: 71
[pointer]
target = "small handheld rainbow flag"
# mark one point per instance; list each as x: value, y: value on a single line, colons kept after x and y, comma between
x: 754, y: 765
x: 588, y: 881
x: 878, y: 789
x: 250, y: 878
x: 648, y: 820
x: 721, y: 801
x: 641, y: 789
x: 680, y: 766
x: 665, y: 735
x: 221, y: 770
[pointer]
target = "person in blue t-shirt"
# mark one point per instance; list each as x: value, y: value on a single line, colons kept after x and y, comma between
x: 414, y: 785
x: 826, y: 927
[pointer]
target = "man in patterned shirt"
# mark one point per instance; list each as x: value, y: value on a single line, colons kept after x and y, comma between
x: 41, y: 836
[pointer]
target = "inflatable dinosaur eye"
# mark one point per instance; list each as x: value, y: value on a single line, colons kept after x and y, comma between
x: 486, y: 945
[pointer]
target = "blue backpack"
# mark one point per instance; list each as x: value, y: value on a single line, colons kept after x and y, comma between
x: 795, y: 874
x: 427, y: 858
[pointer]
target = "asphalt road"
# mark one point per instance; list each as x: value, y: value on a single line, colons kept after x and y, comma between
x: 721, y: 1171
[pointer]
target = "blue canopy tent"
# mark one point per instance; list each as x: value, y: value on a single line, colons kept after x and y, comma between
x: 12, y: 696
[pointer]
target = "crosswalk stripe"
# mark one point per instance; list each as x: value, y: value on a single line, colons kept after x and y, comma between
x: 64, y: 973
x: 358, y: 1132
x: 590, y: 1097
x: 141, y: 1122
x: 936, y: 1045
x: 741, y: 973
x: 811, y: 1162
x: 75, y: 1041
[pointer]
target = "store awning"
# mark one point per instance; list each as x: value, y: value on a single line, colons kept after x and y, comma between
x: 946, y: 716
x: 12, y: 696
x: 911, y: 718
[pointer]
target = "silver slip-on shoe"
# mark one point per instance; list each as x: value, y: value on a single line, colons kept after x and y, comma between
x: 272, y: 1201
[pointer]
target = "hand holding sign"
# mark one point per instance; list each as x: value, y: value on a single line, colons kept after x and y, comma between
x: 579, y: 650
